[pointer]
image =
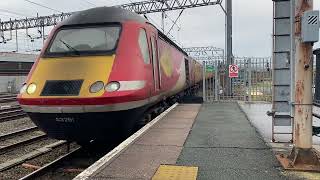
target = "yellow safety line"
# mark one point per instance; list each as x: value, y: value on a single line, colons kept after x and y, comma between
x: 173, y: 172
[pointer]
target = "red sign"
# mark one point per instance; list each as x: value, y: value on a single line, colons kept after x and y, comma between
x: 233, y: 71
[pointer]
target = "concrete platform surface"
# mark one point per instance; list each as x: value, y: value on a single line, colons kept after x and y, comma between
x: 224, y: 145
x: 216, y: 139
x: 161, y: 144
x: 257, y: 114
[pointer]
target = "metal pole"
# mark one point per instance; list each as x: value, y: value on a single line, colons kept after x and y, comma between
x: 256, y: 72
x: 249, y: 79
x: 162, y: 21
x: 212, y: 81
x: 43, y: 38
x: 17, y: 46
x: 204, y: 81
x: 245, y: 81
x: 263, y: 70
x: 228, y: 44
x: 303, y: 156
x: 303, y: 82
x: 216, y: 88
x: 292, y: 58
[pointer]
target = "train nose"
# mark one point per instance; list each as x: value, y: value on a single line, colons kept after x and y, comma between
x: 70, y: 76
x: 73, y: 126
x: 82, y: 127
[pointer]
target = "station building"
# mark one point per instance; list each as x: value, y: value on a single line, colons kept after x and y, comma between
x: 14, y: 68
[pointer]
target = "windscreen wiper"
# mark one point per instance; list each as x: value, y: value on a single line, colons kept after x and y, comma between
x: 70, y: 47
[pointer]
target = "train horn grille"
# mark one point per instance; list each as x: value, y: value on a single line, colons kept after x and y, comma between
x: 62, y: 88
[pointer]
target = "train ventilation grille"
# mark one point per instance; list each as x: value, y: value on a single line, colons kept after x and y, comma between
x: 62, y: 88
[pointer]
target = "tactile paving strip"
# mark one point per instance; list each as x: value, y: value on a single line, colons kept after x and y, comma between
x: 172, y: 172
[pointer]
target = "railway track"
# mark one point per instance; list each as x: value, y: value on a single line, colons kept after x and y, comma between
x: 11, y: 113
x: 73, y: 163
x: 8, y: 141
x: 41, y: 164
x: 27, y: 145
x: 36, y: 154
x: 70, y: 164
x: 39, y: 161
x: 15, y: 133
x: 8, y: 98
x: 53, y: 165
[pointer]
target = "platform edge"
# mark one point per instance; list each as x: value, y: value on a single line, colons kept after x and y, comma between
x: 108, y: 158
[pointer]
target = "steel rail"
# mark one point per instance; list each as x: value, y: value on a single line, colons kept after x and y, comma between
x: 75, y: 153
x: 21, y: 143
x: 15, y: 133
x: 32, y: 155
x: 10, y: 108
x: 10, y: 98
x: 11, y: 115
x: 7, y: 95
x: 52, y: 165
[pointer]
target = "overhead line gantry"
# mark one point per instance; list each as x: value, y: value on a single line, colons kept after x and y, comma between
x: 143, y: 7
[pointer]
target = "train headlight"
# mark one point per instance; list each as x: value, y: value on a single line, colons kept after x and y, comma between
x: 112, y: 86
x: 31, y: 88
x: 96, y: 87
x: 23, y: 89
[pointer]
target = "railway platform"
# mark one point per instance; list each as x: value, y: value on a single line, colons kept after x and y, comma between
x: 193, y: 141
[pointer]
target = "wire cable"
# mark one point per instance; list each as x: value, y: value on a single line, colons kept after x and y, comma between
x: 42, y: 6
x: 175, y: 22
x: 12, y: 12
x: 10, y: 16
x: 89, y: 2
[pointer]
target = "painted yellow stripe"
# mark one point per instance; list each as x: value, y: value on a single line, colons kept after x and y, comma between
x: 90, y: 69
x: 171, y: 172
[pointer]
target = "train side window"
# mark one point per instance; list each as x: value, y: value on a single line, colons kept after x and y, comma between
x: 143, y: 43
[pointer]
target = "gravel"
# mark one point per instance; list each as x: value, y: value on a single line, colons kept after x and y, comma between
x: 14, y: 125
x: 13, y: 103
x: 71, y: 168
x: 20, y: 138
x: 24, y: 150
x: 20, y: 171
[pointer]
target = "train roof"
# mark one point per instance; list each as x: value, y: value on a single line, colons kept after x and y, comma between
x: 17, y: 57
x: 103, y: 15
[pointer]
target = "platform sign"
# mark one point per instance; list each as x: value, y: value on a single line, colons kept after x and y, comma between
x: 209, y: 68
x: 233, y: 71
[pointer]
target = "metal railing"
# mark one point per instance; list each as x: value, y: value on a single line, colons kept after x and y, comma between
x: 252, y: 84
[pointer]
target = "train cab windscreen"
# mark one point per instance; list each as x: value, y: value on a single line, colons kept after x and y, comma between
x: 84, y: 41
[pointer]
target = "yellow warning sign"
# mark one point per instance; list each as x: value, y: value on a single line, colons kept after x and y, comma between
x: 172, y: 172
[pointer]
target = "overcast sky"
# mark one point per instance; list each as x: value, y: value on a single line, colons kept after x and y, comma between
x: 204, y: 26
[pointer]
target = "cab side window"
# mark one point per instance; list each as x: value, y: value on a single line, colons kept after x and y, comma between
x: 143, y: 44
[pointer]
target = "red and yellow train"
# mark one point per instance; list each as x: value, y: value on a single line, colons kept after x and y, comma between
x: 99, y: 71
